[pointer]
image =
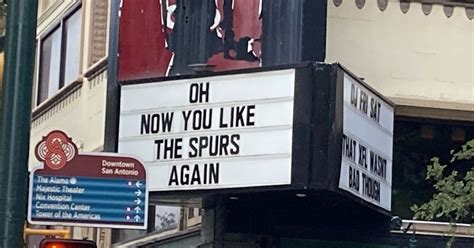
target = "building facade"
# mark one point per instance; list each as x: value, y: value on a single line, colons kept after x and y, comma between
x: 70, y: 82
x: 69, y: 94
x: 419, y: 54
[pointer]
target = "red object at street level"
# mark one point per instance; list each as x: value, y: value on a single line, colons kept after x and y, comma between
x: 66, y: 243
x: 55, y: 150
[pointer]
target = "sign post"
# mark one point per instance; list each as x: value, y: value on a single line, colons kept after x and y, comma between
x: 87, y: 189
x: 15, y: 112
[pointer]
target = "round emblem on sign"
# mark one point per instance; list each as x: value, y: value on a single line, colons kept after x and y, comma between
x: 55, y: 149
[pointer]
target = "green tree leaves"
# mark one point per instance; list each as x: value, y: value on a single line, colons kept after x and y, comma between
x: 454, y: 197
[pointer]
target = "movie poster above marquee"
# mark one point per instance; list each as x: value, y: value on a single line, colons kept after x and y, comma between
x: 165, y: 38
x: 367, y: 141
x: 211, y: 133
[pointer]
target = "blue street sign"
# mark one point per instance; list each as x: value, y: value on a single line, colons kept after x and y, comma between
x: 93, y: 190
x: 88, y: 200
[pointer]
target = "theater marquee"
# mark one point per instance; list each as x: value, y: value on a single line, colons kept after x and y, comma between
x: 366, y: 166
x: 211, y: 132
x: 312, y: 129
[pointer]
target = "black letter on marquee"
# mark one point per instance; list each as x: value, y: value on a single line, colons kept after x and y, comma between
x: 204, y: 92
x: 192, y: 142
x: 214, y: 173
x: 250, y: 115
x: 222, y: 124
x: 185, y: 175
x: 158, y: 148
x: 196, y: 179
x: 186, y: 118
x: 173, y: 176
x: 167, y: 120
x: 194, y: 93
x: 145, y: 127
x: 224, y: 142
x: 354, y: 95
x: 234, y: 140
x: 199, y: 92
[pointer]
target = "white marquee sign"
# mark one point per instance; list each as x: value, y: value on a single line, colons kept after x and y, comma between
x: 211, y: 133
x: 366, y: 167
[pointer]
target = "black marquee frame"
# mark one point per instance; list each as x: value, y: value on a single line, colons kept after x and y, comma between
x: 317, y: 137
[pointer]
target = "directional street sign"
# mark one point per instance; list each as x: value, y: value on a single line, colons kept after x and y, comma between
x: 87, y: 189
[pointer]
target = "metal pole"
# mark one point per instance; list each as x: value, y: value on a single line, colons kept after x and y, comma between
x: 15, y: 119
x: 112, y: 102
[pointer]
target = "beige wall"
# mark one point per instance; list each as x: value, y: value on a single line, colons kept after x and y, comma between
x: 50, y: 11
x: 81, y: 114
x: 415, y: 59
